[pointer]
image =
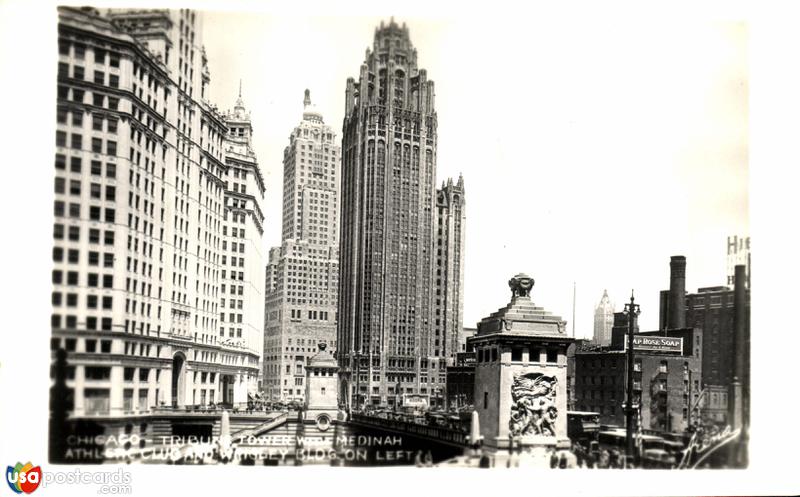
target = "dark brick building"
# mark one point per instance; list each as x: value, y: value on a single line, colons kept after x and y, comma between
x: 665, y: 383
x: 713, y: 310
x: 461, y: 381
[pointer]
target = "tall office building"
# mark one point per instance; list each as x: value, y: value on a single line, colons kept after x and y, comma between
x: 241, y: 302
x: 141, y: 209
x: 388, y: 342
x: 450, y: 236
x: 303, y: 273
x: 603, y: 320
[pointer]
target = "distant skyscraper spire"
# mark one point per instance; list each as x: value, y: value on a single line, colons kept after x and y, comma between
x: 603, y: 320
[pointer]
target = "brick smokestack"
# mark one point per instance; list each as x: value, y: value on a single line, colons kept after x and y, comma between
x: 741, y: 348
x: 739, y: 320
x: 677, y: 292
x: 738, y: 396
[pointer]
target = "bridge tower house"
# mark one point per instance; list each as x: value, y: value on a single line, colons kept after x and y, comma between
x: 521, y: 377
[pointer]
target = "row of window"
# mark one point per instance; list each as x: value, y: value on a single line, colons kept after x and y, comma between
x: 234, y: 318
x: 72, y: 300
x: 491, y: 355
x: 73, y: 256
x: 231, y: 332
x: 98, y: 99
x: 79, y: 72
x: 92, y: 279
x: 75, y: 212
x: 234, y: 289
x: 74, y: 235
x: 75, y: 166
x: 71, y: 322
x: 79, y: 52
x: 97, y: 120
x: 76, y: 142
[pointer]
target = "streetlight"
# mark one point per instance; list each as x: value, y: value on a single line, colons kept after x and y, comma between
x: 632, y: 311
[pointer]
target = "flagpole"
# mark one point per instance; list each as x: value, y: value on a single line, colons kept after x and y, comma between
x: 573, y: 309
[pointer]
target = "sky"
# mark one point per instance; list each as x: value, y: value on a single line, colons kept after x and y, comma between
x: 591, y: 151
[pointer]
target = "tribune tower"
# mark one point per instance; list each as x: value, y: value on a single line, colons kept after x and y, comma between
x: 387, y: 342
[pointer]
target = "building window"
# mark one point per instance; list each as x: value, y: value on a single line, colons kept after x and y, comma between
x: 662, y: 367
x: 96, y: 400
x: 96, y: 372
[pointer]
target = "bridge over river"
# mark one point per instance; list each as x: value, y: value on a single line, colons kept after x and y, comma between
x: 169, y: 436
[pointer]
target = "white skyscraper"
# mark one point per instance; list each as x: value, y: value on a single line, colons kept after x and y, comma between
x: 603, y: 320
x: 303, y: 273
x: 154, y: 187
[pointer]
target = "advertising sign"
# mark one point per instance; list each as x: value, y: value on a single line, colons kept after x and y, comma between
x: 656, y: 343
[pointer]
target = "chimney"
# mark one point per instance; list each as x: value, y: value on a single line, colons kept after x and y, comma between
x: 740, y: 340
x: 738, y: 402
x: 677, y: 292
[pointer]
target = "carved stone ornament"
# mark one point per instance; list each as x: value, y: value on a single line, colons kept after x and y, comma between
x: 533, y: 405
x: 521, y: 285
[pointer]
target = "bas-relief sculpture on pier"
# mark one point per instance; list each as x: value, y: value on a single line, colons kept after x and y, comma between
x: 533, y: 408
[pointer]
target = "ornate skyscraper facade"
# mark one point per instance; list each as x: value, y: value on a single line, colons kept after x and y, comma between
x: 242, y: 274
x: 141, y: 210
x: 303, y: 273
x: 603, y: 320
x: 448, y: 318
x: 388, y: 342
